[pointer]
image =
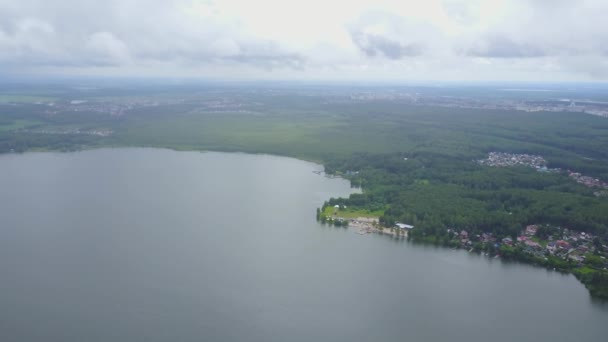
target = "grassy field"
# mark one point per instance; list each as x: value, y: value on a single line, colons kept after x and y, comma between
x: 351, y: 213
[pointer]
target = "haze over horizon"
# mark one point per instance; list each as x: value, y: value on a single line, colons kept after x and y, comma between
x: 358, y: 40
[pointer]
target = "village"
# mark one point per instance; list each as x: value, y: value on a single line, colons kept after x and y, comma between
x: 502, y: 159
x: 563, y: 243
x: 535, y: 242
x: 588, y: 181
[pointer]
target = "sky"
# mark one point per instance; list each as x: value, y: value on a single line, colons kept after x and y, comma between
x: 343, y: 40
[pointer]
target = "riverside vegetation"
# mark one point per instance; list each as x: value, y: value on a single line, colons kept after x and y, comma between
x: 415, y: 164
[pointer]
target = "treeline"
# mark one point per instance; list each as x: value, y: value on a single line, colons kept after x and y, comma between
x: 338, y: 222
x: 20, y: 142
x: 595, y: 282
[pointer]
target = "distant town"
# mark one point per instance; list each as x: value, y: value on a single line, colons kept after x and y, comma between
x: 73, y: 131
x: 502, y: 159
x: 119, y: 106
x: 122, y: 106
x: 598, y: 108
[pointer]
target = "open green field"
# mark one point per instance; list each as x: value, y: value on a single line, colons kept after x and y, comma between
x: 348, y: 213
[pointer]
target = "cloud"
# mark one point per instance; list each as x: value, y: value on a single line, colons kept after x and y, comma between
x: 463, y: 12
x: 374, y: 45
x: 105, y: 49
x: 121, y: 33
x: 501, y: 46
x: 405, y: 39
x: 31, y: 41
x: 388, y: 35
x: 543, y: 28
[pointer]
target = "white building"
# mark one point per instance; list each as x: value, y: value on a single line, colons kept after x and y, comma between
x: 403, y: 225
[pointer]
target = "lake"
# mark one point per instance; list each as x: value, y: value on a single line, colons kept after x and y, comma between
x: 158, y: 245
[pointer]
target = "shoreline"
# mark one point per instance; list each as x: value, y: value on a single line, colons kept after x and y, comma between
x: 368, y: 225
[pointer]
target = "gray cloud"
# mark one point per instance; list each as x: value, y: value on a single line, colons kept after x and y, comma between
x: 120, y: 32
x: 465, y: 38
x: 374, y: 45
x: 388, y: 35
x: 544, y: 28
x: 501, y: 46
x: 460, y: 11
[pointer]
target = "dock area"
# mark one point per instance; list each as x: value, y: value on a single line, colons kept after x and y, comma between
x: 368, y: 225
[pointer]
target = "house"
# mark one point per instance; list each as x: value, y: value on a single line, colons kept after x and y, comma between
x: 532, y: 244
x: 403, y: 226
x: 487, y: 237
x: 531, y: 230
x: 577, y: 258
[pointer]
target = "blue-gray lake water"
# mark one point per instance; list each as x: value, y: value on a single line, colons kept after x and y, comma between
x: 158, y: 245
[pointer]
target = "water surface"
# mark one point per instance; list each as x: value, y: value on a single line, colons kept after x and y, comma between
x: 157, y: 245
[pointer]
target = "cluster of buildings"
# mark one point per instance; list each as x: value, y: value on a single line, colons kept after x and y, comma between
x: 226, y: 105
x: 548, y: 105
x: 74, y: 131
x: 109, y: 108
x: 588, y: 181
x: 527, y: 241
x: 120, y: 107
x: 565, y: 105
x: 384, y: 95
x: 602, y: 193
x: 574, y: 246
x: 569, y: 244
x: 502, y: 159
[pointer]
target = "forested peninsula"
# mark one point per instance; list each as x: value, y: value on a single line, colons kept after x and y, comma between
x: 514, y: 212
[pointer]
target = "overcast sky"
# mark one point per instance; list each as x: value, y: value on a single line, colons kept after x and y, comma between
x: 397, y: 40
